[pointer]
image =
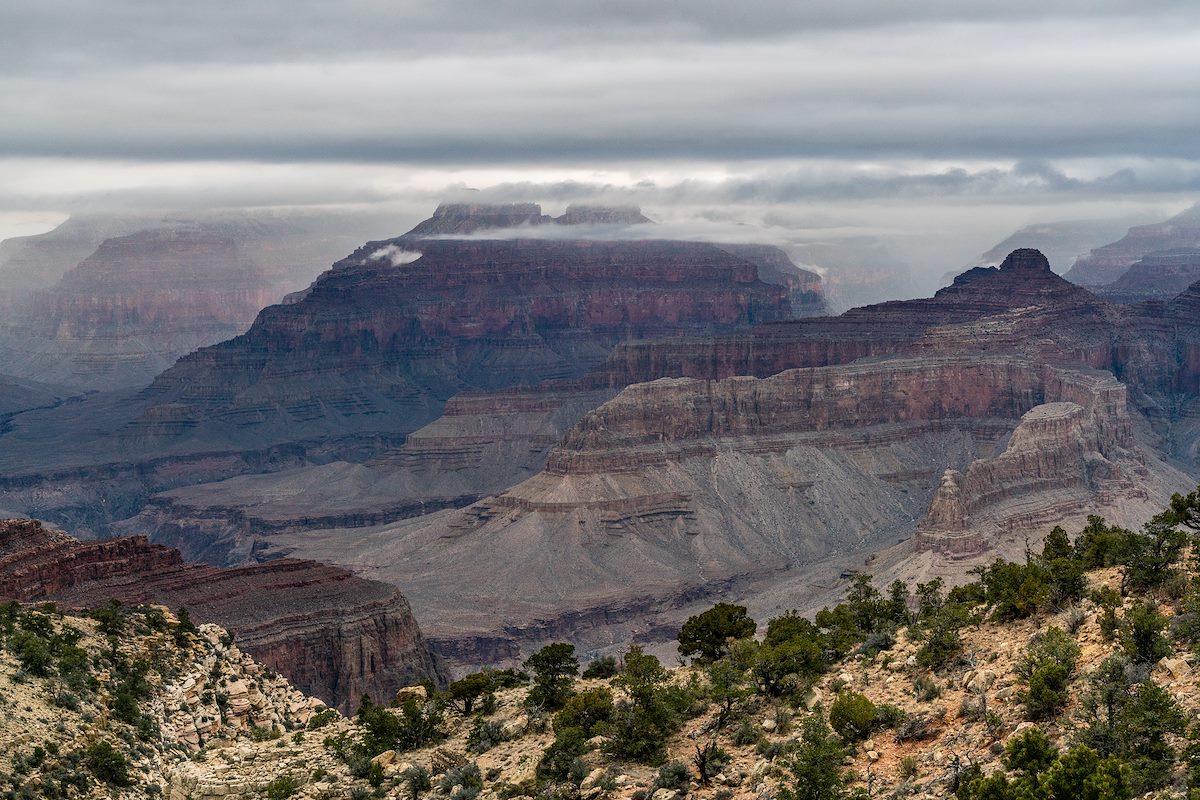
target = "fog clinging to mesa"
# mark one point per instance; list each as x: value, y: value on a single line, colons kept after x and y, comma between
x: 933, y: 127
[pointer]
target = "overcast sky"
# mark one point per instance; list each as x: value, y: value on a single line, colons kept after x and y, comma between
x: 939, y: 118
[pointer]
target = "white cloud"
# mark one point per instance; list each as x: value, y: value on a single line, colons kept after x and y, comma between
x: 396, y: 256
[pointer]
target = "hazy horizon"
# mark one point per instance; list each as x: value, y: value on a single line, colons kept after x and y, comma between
x: 936, y: 128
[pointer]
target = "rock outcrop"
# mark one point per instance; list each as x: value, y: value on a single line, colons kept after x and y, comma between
x: 1157, y: 276
x: 1018, y: 308
x: 806, y: 293
x: 1070, y: 454
x: 128, y: 310
x: 1106, y: 264
x: 332, y: 634
x: 1061, y: 242
x: 29, y: 263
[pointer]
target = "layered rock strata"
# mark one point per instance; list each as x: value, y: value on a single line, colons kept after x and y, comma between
x: 332, y: 634
x: 375, y: 345
x: 1018, y: 308
x: 1072, y: 453
x: 1106, y: 264
x: 1157, y: 276
x: 138, y: 302
x: 677, y: 487
x: 29, y: 263
x: 481, y: 445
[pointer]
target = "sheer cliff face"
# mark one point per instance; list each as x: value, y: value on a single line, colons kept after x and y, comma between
x: 332, y: 634
x: 381, y: 341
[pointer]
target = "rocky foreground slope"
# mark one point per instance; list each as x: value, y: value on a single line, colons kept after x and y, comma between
x: 332, y: 634
x: 1054, y: 673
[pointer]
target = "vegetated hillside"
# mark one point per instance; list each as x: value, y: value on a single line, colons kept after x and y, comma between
x: 1067, y: 675
x: 108, y: 703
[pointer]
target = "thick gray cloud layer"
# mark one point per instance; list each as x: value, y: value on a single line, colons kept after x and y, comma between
x: 702, y: 105
x: 547, y: 80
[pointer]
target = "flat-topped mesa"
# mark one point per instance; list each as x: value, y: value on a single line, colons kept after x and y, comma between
x: 332, y: 634
x: 587, y: 214
x: 466, y: 218
x: 463, y: 219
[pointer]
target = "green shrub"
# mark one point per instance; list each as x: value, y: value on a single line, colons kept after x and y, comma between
x: 1141, y: 634
x: 655, y: 710
x: 852, y: 716
x: 814, y: 770
x: 462, y: 783
x: 108, y: 764
x: 282, y: 787
x: 484, y: 735
x: 590, y: 710
x: 554, y: 669
x: 674, y: 775
x: 322, y: 718
x: 746, y: 734
x: 568, y: 745
x: 417, y: 725
x: 417, y: 779
x: 466, y: 691
x: 603, y: 667
x: 1030, y: 752
x: 707, y: 636
x: 1047, y: 692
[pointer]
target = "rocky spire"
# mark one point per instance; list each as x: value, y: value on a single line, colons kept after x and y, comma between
x: 1026, y: 259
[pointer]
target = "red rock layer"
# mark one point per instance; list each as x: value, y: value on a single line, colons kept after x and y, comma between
x: 332, y: 634
x: 1019, y: 308
x: 380, y: 343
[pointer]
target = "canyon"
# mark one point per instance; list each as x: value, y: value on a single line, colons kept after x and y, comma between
x: 1104, y: 265
x: 537, y: 438
x: 957, y: 423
